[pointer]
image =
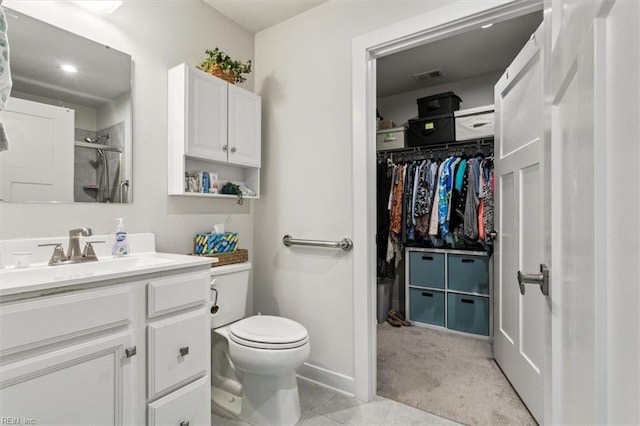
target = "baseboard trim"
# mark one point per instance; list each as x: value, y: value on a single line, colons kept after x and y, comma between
x: 327, y: 378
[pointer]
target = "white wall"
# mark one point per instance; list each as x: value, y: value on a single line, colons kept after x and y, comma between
x: 474, y: 92
x: 303, y: 72
x: 623, y: 200
x: 158, y: 35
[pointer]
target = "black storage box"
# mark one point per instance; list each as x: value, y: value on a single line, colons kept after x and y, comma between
x: 431, y: 130
x: 440, y: 104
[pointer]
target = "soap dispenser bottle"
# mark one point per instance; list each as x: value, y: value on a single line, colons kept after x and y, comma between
x: 121, y: 245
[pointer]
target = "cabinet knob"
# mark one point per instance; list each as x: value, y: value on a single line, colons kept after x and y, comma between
x: 129, y: 352
x: 184, y: 423
x: 184, y: 351
x: 224, y: 148
x: 233, y: 149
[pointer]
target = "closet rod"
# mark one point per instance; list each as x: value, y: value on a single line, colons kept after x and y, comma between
x: 479, y: 143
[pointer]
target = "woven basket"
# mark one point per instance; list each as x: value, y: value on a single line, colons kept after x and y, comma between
x: 238, y: 256
x: 216, y: 71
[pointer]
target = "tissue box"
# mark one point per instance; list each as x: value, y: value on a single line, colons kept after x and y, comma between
x: 216, y: 243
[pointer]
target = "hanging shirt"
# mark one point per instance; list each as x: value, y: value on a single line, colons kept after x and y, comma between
x: 396, y: 203
x: 409, y: 228
x: 455, y: 219
x: 487, y: 200
x: 471, y: 203
x: 444, y: 192
x: 433, y: 220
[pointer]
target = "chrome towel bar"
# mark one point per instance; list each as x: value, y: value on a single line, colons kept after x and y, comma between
x: 344, y: 244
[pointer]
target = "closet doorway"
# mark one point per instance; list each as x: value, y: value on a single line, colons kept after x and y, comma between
x: 427, y: 365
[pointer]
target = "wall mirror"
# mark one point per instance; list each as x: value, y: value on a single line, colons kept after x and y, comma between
x: 69, y: 117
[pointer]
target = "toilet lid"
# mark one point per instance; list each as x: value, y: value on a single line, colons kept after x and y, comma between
x: 268, y: 332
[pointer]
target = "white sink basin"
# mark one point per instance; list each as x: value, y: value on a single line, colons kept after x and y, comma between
x: 37, y: 277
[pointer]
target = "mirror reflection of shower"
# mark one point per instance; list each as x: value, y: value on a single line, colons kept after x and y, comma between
x: 97, y: 174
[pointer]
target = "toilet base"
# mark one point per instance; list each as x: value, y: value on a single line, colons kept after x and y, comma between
x: 223, y: 402
x: 270, y: 400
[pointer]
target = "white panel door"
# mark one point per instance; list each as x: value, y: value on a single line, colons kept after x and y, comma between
x: 206, y: 116
x: 579, y: 209
x: 87, y: 384
x: 244, y: 127
x: 38, y: 166
x: 521, y: 321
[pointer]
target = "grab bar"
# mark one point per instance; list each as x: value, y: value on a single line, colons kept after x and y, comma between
x: 344, y: 244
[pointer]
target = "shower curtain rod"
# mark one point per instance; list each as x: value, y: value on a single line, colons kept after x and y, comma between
x: 98, y: 146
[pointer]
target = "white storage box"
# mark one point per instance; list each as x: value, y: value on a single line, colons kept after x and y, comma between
x: 391, y: 138
x: 474, y: 123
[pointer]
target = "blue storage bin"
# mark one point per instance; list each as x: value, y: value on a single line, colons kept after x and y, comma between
x: 426, y: 269
x: 468, y: 313
x: 427, y: 306
x: 468, y: 273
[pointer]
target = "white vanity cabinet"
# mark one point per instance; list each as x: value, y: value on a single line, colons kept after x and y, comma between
x: 179, y: 350
x: 63, y: 358
x: 213, y: 126
x: 122, y: 351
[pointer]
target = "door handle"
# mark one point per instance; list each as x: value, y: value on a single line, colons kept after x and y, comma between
x: 132, y: 351
x: 184, y: 351
x: 542, y: 279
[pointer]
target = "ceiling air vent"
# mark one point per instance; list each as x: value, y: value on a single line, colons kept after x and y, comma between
x: 428, y: 75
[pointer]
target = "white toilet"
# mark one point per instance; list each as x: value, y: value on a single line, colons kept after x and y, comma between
x: 253, y: 360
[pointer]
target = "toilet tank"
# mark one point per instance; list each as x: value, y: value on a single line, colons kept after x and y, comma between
x: 232, y: 284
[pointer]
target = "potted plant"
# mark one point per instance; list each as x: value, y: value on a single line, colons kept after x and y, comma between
x: 232, y: 189
x: 219, y: 64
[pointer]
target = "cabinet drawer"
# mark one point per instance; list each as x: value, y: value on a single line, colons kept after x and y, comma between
x: 426, y: 269
x: 468, y: 273
x: 468, y: 313
x: 178, y: 350
x: 426, y: 306
x: 170, y: 294
x: 47, y: 320
x: 190, y: 405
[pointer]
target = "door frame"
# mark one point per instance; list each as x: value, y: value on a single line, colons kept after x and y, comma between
x: 440, y: 23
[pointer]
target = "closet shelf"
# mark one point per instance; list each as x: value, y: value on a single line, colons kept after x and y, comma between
x: 440, y: 146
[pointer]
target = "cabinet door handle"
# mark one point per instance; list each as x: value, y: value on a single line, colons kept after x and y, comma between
x: 468, y: 260
x: 471, y: 301
x: 427, y: 257
x: 184, y: 423
x: 184, y: 351
x: 132, y: 351
x: 233, y: 149
x: 427, y: 294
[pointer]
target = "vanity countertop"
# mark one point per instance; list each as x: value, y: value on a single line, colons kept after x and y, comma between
x: 41, y: 277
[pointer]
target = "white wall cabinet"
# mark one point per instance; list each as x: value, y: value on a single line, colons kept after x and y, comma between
x: 215, y: 127
x: 99, y: 356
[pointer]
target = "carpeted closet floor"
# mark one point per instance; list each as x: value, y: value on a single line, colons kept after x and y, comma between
x: 446, y: 374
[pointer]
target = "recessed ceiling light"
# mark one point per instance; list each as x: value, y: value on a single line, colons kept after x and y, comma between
x: 484, y: 27
x: 104, y: 6
x: 69, y: 68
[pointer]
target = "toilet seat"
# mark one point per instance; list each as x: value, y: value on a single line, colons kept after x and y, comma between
x: 268, y: 332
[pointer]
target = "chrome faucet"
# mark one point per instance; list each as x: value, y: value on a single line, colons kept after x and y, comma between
x: 74, y: 253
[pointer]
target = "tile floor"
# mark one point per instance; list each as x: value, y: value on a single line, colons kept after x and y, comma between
x: 321, y: 406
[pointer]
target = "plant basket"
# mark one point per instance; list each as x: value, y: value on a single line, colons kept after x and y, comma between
x: 216, y: 71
